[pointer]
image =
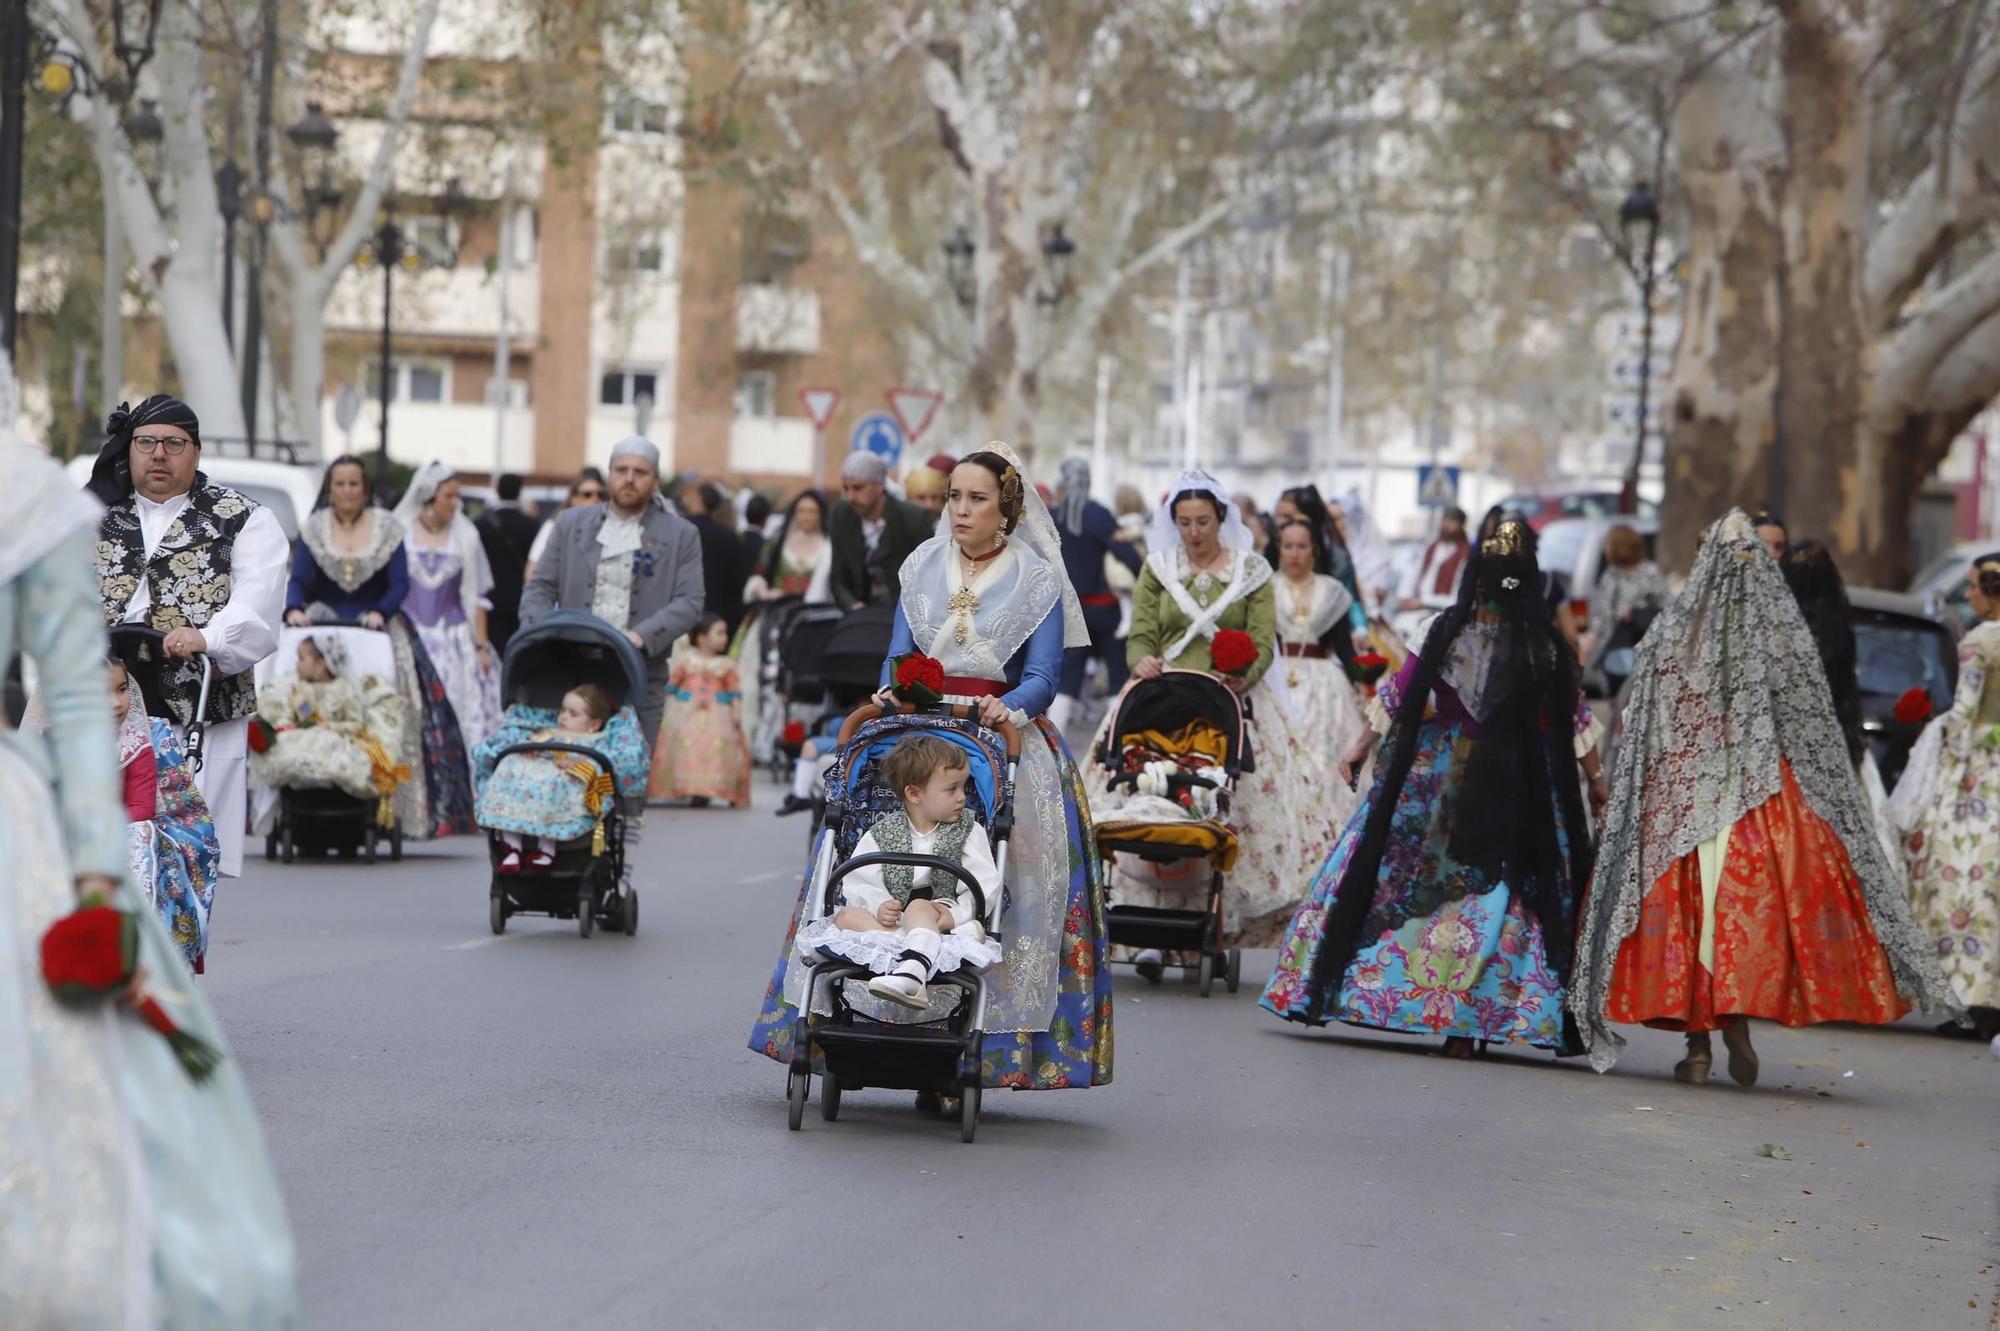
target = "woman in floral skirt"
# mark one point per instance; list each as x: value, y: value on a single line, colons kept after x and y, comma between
x: 1446, y: 908
x: 1948, y: 803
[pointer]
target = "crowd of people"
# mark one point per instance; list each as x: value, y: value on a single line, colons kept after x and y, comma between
x: 1424, y: 824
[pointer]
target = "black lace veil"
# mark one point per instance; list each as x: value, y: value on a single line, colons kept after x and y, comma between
x: 1511, y: 786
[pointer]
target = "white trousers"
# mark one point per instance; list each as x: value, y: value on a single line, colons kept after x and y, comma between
x: 224, y: 782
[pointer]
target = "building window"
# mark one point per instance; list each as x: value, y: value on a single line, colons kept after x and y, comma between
x: 624, y: 387
x: 518, y: 231
x: 644, y: 251
x: 637, y: 114
x: 432, y: 238
x: 412, y: 380
x: 756, y: 395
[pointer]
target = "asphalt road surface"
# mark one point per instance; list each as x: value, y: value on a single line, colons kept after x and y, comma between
x: 538, y: 1131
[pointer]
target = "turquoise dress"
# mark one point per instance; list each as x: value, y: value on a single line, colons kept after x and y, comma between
x: 532, y: 795
x: 135, y: 1196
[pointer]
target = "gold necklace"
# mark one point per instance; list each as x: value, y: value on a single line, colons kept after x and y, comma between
x: 964, y: 600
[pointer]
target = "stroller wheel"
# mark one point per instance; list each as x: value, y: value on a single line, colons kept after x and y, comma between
x: 968, y: 1113
x: 1205, y: 975
x: 586, y: 909
x: 631, y: 900
x: 798, y: 1085
x: 829, y: 1099
x: 395, y: 844
x: 1235, y: 976
x: 285, y: 848
x: 368, y: 848
x: 271, y: 846
x: 496, y: 912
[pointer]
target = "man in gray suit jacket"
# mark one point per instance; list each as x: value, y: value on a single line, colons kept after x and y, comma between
x: 631, y: 562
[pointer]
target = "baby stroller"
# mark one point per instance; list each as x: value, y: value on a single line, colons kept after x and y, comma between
x: 545, y: 660
x: 143, y: 650
x: 323, y: 820
x: 766, y: 644
x: 1178, y: 743
x: 856, y: 1050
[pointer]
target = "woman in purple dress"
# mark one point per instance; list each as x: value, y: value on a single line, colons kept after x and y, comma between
x: 449, y: 583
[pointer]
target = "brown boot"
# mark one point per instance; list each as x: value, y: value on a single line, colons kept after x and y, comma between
x: 1700, y: 1058
x: 1742, y: 1058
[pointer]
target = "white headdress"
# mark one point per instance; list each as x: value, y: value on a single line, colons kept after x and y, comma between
x: 1037, y: 531
x: 1162, y: 534
x: 423, y: 488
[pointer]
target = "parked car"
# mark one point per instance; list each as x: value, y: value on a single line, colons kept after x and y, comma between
x: 288, y: 491
x: 1542, y: 507
x: 1899, y: 646
x: 1942, y: 584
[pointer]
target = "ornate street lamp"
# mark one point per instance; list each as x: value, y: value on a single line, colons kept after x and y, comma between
x: 229, y: 202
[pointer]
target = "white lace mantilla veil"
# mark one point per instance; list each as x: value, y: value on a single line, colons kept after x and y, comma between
x: 1727, y: 682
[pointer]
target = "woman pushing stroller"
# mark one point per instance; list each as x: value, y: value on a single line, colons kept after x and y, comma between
x: 988, y: 599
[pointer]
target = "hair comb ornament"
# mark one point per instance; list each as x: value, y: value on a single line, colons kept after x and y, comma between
x: 1510, y: 537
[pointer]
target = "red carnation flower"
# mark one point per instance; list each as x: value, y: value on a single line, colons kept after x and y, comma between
x: 917, y: 679
x: 794, y: 734
x: 1914, y: 706
x: 88, y: 952
x: 1233, y: 652
x: 260, y: 735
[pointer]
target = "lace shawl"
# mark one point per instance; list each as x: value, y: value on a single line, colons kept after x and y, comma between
x: 1016, y: 594
x: 1330, y: 604
x: 1727, y: 683
x: 348, y: 570
x: 1247, y: 572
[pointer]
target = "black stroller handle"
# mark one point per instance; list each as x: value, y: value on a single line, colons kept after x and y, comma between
x: 556, y: 746
x: 935, y: 863
x: 870, y: 711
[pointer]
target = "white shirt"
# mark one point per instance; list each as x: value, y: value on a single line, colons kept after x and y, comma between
x: 864, y: 890
x: 245, y: 630
x: 871, y: 532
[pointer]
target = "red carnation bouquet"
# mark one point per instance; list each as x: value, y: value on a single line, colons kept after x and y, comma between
x: 1232, y: 651
x: 92, y: 954
x: 917, y: 679
x: 1914, y: 706
x: 793, y: 737
x: 1368, y: 667
x: 262, y: 736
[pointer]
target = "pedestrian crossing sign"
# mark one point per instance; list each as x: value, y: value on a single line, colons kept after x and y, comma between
x: 1437, y: 486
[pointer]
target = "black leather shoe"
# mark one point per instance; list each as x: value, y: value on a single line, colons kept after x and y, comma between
x: 793, y: 804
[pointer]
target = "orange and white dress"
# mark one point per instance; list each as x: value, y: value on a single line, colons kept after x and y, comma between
x: 701, y: 749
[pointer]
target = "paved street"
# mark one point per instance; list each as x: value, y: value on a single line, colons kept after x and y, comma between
x: 539, y: 1131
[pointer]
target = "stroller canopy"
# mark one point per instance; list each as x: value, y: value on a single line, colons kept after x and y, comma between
x: 559, y: 651
x: 858, y: 646
x: 1169, y: 702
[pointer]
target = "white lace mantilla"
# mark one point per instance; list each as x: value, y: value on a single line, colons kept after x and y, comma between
x: 349, y: 569
x: 1016, y: 592
x: 1247, y: 572
x: 1728, y: 683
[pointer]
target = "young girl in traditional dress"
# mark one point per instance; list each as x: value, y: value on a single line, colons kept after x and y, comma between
x: 175, y: 855
x: 702, y: 754
x: 905, y: 922
x: 536, y: 801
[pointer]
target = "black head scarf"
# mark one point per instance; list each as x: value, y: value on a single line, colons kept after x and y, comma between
x: 111, y: 478
x: 1515, y: 784
x: 1822, y: 596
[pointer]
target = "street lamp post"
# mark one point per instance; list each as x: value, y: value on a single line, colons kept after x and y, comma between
x: 229, y: 202
x: 13, y: 104
x: 1640, y: 208
x: 388, y: 251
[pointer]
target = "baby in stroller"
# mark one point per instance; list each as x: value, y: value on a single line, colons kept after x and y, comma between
x: 926, y: 912
x: 324, y: 727
x: 535, y: 800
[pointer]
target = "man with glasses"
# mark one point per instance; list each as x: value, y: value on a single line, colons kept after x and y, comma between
x: 205, y: 566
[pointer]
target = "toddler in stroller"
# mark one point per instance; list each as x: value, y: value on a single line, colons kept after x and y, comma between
x: 535, y: 799
x: 898, y: 918
x: 554, y: 781
x: 322, y: 745
x: 870, y: 921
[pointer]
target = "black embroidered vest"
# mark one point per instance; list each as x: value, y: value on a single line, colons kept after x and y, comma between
x: 187, y: 581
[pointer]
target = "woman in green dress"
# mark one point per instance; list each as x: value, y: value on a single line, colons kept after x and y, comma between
x: 1203, y: 576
